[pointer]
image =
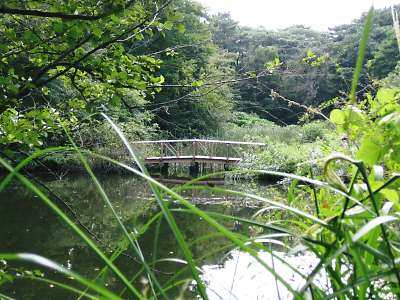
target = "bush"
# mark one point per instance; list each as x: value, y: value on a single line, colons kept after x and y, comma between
x: 283, y: 158
x: 100, y: 138
x: 313, y: 131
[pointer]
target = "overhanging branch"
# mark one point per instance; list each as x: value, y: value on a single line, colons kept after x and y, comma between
x: 48, y: 14
x: 103, y: 45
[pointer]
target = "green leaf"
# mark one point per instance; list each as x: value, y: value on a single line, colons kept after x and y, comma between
x: 373, y: 224
x: 115, y: 100
x: 337, y: 116
x: 355, y: 116
x: 370, y: 151
x: 386, y: 95
x: 97, y: 31
x: 141, y: 85
x: 168, y: 25
x: 157, y: 80
x: 181, y: 28
x: 176, y: 17
x: 197, y: 83
x: 45, y: 90
x: 390, y: 195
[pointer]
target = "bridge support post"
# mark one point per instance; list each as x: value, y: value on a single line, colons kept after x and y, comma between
x: 194, y: 169
x: 164, y: 169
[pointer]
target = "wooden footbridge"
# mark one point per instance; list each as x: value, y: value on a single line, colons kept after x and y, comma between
x: 196, y: 153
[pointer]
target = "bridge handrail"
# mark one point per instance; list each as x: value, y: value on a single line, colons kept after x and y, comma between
x: 201, y: 141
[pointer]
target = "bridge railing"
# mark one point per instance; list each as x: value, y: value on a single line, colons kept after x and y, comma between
x: 193, y: 147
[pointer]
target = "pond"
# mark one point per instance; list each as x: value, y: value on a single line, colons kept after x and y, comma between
x: 27, y: 225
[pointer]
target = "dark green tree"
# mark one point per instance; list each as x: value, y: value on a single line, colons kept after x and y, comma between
x: 192, y: 102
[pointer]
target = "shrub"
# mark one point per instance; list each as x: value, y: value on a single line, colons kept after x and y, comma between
x: 313, y: 131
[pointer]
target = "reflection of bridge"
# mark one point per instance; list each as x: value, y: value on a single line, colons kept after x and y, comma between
x: 194, y: 152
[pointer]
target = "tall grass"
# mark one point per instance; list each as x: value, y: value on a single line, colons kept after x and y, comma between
x: 353, y: 235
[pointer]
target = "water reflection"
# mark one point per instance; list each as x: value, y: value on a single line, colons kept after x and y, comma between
x: 27, y: 225
x: 242, y: 277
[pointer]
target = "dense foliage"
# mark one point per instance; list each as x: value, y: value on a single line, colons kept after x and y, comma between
x: 160, y: 64
x: 63, y: 61
x: 298, y: 68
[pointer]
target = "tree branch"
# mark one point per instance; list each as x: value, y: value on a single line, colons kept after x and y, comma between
x: 47, y: 14
x: 261, y: 75
x: 103, y: 46
x: 61, y: 57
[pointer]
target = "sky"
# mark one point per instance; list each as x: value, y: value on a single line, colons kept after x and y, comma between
x: 274, y: 14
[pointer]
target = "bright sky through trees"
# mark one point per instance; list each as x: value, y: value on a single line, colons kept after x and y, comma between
x: 273, y: 14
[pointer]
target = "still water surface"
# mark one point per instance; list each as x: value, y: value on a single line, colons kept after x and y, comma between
x: 27, y: 225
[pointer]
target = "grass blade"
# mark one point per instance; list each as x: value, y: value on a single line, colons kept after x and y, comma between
x: 361, y: 54
x: 164, y: 208
x: 134, y: 243
x: 231, y: 236
x: 39, y: 260
x: 71, y: 225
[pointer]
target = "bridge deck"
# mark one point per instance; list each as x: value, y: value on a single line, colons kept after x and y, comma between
x: 193, y: 158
